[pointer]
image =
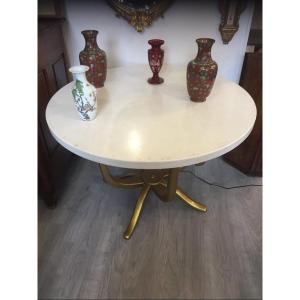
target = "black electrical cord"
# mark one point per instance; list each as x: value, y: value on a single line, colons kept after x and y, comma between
x: 205, y: 181
x: 217, y: 185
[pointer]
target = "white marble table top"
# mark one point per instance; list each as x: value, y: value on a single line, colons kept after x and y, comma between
x: 145, y: 126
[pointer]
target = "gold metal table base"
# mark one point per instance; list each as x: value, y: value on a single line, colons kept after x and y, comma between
x: 162, y: 182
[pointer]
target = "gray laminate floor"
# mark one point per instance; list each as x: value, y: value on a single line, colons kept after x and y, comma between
x: 175, y: 253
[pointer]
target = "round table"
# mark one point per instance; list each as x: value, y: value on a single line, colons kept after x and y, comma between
x: 155, y: 128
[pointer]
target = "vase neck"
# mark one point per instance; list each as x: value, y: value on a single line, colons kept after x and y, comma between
x: 80, y: 77
x: 204, y: 50
x: 90, y: 37
x: 79, y: 72
x: 156, y: 47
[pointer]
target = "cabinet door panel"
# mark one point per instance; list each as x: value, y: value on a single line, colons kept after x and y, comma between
x: 52, y: 75
x: 50, y: 44
x: 59, y: 69
x: 43, y: 99
x: 248, y: 156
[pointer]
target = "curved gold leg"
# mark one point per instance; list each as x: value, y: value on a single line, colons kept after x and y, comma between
x: 190, y: 201
x: 125, y: 182
x: 137, y: 211
x: 163, y: 183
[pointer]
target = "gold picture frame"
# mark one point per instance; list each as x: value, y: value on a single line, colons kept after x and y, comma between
x: 140, y: 14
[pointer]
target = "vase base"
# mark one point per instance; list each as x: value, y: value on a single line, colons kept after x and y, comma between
x: 197, y: 99
x: 155, y: 80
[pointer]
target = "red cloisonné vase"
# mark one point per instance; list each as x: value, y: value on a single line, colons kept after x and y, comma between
x: 156, y: 58
x: 93, y: 57
x: 201, y: 72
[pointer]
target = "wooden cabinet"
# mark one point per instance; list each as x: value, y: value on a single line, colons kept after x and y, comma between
x: 52, y: 75
x: 248, y: 156
x: 51, y: 9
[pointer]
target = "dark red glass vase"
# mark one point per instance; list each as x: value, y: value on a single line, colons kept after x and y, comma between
x: 156, y: 58
x: 94, y: 57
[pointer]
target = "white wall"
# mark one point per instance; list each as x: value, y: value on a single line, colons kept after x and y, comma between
x: 184, y: 22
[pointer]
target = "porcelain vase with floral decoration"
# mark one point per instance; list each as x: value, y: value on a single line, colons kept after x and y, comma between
x: 95, y: 58
x: 84, y: 94
x: 201, y: 71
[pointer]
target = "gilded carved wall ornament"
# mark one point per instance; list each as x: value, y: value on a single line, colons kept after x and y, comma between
x: 230, y: 15
x: 140, y: 13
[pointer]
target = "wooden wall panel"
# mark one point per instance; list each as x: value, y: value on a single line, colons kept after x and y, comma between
x: 52, y: 75
x: 248, y: 156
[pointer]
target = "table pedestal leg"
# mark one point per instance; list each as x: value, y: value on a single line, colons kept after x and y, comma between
x: 137, y: 211
x: 184, y: 197
x: 162, y: 182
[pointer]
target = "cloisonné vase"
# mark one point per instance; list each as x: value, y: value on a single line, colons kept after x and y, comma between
x: 201, y: 71
x: 84, y: 94
x: 94, y: 57
x: 155, y: 58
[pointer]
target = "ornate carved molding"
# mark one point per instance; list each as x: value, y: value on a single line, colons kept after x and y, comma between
x: 230, y: 15
x: 140, y: 14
